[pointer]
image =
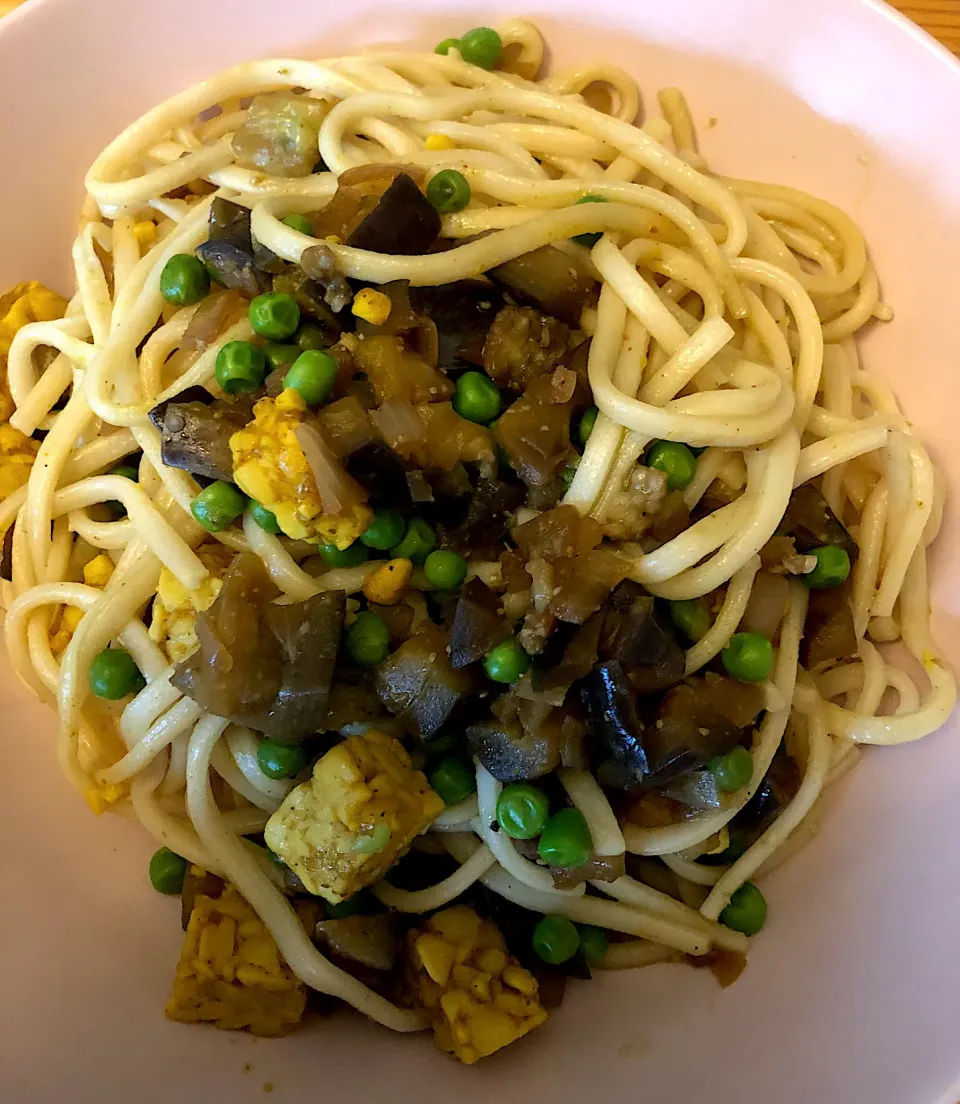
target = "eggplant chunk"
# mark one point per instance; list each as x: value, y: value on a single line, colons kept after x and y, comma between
x: 229, y: 222
x: 378, y: 469
x: 512, y: 755
x: 188, y: 395
x: 232, y: 267
x: 687, y: 733
x: 570, y: 654
x: 196, y: 437
x: 811, y: 523
x: 369, y: 940
x: 403, y: 222
x: 462, y: 312
x: 615, y: 723
x: 558, y: 284
x: 634, y: 635
x: 478, y: 624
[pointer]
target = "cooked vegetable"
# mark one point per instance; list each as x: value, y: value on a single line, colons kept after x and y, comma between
x: 416, y: 543
x: 320, y: 265
x: 240, y: 367
x: 372, y: 306
x: 281, y: 760
x: 299, y: 222
x: 195, y: 436
x: 403, y: 222
x: 274, y: 316
x: 218, y: 506
x: 445, y: 570
x: 230, y: 222
x: 338, y: 832
x: 832, y: 570
x: 115, y: 675
x: 512, y: 755
x: 367, y: 641
x: 369, y: 940
x: 478, y: 624
x: 184, y: 281
x: 534, y: 431
x: 615, y: 723
x: 748, y: 657
x: 446, y: 46
x: 419, y: 685
x: 266, y: 666
x: 591, y: 239
x: 476, y: 398
x: 453, y: 780
x: 747, y: 911
x: 555, y: 939
x: 811, y: 523
x: 167, y: 871
x: 732, y: 771
x: 264, y: 518
x: 634, y: 634
x: 569, y: 655
x: 676, y: 460
x: 523, y: 344
x: 232, y: 267
x: 481, y: 46
x: 688, y: 732
x: 506, y: 662
x: 587, y: 421
x: 448, y: 191
x: 387, y: 584
x: 593, y: 943
x: 462, y: 313
x: 279, y: 134
x: 522, y: 810
x: 765, y: 610
x: 558, y: 284
x: 483, y: 530
x: 386, y: 530
x: 351, y: 556
x: 829, y: 632
x: 380, y: 472
x: 691, y: 616
x: 312, y: 375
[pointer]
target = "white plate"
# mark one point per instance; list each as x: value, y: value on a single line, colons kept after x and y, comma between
x: 853, y: 991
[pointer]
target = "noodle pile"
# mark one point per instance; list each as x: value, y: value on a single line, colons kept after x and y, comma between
x: 727, y: 320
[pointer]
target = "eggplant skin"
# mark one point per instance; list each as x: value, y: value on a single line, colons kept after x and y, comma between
x: 478, y: 624
x: 403, y: 223
x: 614, y: 720
x: 232, y: 267
x: 196, y: 437
x: 512, y: 755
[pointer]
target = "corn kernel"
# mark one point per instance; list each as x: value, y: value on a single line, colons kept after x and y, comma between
x: 146, y: 233
x: 520, y: 979
x: 334, y: 239
x: 70, y: 618
x: 386, y: 585
x: 97, y: 571
x: 440, y: 142
x: 372, y: 306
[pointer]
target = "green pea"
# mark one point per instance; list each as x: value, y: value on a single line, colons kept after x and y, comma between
x: 417, y: 542
x: 748, y: 657
x: 367, y: 641
x: 386, y: 530
x: 565, y: 839
x: 167, y: 871
x: 445, y: 570
x: 676, y: 460
x: 310, y: 336
x: 240, y: 367
x: 184, y: 281
x: 593, y: 943
x: 218, y: 505
x: 481, y: 46
x: 587, y: 421
x: 732, y: 771
x: 278, y: 760
x: 747, y: 911
x: 567, y: 476
x: 280, y: 356
x: 274, y: 315
x: 522, y: 810
x: 128, y: 471
x: 115, y: 675
x: 266, y: 519
x: 350, y: 907
x: 300, y: 223
x: 351, y: 556
x: 448, y: 191
x: 453, y: 780
x: 833, y: 567
x: 590, y: 239
x: 476, y: 398
x: 556, y: 939
x: 446, y: 46
x: 691, y: 617
x: 506, y: 662
x: 313, y: 374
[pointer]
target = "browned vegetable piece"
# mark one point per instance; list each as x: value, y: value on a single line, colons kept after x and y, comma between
x: 726, y: 966
x: 670, y: 520
x: 313, y: 297
x: 196, y: 436
x: 352, y: 702
x: 378, y: 469
x: 419, y: 685
x: 811, y: 522
x: 687, y: 733
x: 547, y: 277
x: 636, y: 636
x: 581, y: 584
x: 570, y: 654
x: 6, y: 558
x: 369, y: 940
x: 339, y: 491
x: 449, y: 439
x: 515, y: 576
x: 598, y: 869
x: 523, y: 344
x: 697, y: 790
x: 767, y: 604
x: 396, y: 373
x: 319, y: 263
x: 512, y: 755
x: 232, y: 267
x: 478, y: 624
x: 187, y: 395
x: 358, y: 192
x: 214, y: 315
x: 279, y: 134
x: 740, y: 702
x: 398, y: 619
x: 416, y: 327
x: 616, y: 725
x: 266, y: 666
x: 534, y: 431
x: 346, y: 426
x: 560, y: 532
x: 230, y: 222
x: 829, y: 631
x: 482, y: 532
x: 462, y: 313
x: 403, y: 222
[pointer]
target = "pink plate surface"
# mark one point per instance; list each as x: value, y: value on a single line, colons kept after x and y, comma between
x: 853, y: 991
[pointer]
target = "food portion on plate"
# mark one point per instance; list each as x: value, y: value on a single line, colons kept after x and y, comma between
x: 456, y: 524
